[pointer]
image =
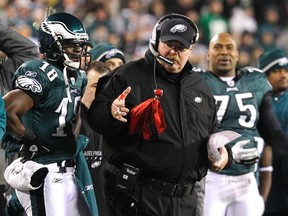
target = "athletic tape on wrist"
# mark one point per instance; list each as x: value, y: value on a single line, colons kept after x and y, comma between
x: 28, y: 134
x: 266, y: 169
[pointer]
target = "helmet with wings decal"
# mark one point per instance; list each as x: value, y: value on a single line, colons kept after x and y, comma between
x: 62, y: 30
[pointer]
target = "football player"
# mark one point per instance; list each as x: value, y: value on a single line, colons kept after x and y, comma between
x: 243, y: 106
x: 41, y: 110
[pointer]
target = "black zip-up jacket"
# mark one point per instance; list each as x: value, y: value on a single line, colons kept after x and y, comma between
x: 179, y: 155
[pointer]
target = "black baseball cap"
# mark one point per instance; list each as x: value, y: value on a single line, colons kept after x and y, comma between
x: 179, y: 30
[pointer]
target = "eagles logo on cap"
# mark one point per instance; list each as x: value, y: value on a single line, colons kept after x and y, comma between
x: 179, y: 30
x: 103, y: 52
x: 111, y: 53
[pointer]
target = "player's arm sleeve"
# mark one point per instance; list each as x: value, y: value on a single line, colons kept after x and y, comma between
x: 18, y: 49
x: 270, y: 128
x: 16, y: 46
x: 36, y: 85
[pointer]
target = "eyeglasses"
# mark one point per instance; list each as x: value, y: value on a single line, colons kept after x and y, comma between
x: 176, y: 47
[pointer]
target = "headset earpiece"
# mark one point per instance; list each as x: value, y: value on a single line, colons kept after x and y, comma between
x: 154, y: 40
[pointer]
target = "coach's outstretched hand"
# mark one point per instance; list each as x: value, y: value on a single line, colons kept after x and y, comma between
x: 118, y: 109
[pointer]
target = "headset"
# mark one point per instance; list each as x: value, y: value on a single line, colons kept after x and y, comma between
x: 154, y: 40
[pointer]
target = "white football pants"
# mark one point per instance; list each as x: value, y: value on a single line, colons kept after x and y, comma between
x: 61, y: 194
x: 232, y: 195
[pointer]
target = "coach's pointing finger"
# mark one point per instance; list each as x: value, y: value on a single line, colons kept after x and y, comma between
x: 118, y: 109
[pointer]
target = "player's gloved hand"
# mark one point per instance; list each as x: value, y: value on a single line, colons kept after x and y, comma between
x: 32, y: 146
x: 243, y: 156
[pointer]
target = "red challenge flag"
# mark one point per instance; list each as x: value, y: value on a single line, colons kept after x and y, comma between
x: 147, y: 113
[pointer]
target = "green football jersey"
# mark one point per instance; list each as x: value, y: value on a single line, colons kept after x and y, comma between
x: 237, y: 103
x: 52, y: 117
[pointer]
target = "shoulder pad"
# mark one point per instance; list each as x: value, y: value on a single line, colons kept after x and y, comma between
x: 252, y: 69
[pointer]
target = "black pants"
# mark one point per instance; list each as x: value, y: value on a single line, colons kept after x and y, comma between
x: 2, y: 200
x: 277, y: 214
x: 97, y: 179
x: 146, y: 202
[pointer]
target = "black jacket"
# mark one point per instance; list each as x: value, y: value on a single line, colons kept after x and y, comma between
x: 179, y: 155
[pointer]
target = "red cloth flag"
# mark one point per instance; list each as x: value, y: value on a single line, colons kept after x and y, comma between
x: 149, y: 111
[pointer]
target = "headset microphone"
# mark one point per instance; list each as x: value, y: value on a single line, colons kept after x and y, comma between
x: 158, y: 56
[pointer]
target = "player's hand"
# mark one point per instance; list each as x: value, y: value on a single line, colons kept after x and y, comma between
x: 243, y: 156
x: 32, y: 148
x: 118, y: 109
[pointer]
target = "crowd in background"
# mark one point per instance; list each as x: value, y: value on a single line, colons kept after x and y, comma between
x: 257, y: 25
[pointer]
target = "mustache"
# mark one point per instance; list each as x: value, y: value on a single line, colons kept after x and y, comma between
x: 172, y: 58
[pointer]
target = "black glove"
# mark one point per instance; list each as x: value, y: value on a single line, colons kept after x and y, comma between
x: 38, y: 177
x: 32, y: 146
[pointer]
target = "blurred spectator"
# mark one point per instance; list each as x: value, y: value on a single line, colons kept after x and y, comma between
x: 3, y: 7
x: 147, y: 23
x: 98, y: 24
x: 185, y: 5
x: 108, y: 54
x: 228, y: 7
x: 26, y: 31
x: 281, y: 41
x: 127, y: 25
x: 37, y: 16
x: 244, y: 58
x: 23, y: 10
x: 143, y: 34
x: 211, y: 20
x: 247, y: 40
x: 242, y: 19
x: 193, y: 14
x: 260, y: 7
x: 271, y: 16
x: 198, y: 57
x: 69, y: 6
x: 157, y: 9
x: 99, y: 34
x: 257, y: 51
x: 267, y: 39
x: 247, y: 47
x: 124, y: 23
x: 170, y: 6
